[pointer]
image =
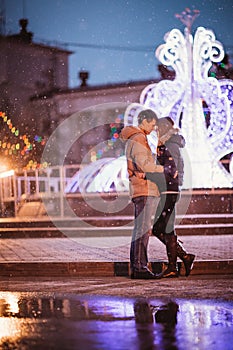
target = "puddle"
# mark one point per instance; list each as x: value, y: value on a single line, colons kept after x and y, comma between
x: 68, y: 321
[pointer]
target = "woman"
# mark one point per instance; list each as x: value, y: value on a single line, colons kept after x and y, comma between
x: 169, y: 155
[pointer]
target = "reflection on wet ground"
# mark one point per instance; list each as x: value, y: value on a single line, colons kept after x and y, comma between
x: 31, y: 321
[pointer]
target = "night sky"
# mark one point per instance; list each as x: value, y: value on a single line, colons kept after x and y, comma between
x: 115, y: 40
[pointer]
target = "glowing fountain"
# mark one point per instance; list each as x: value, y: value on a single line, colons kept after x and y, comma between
x: 100, y: 177
x: 182, y: 99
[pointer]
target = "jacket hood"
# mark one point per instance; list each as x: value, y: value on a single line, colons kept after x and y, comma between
x: 173, y: 136
x: 177, y: 138
x: 128, y: 131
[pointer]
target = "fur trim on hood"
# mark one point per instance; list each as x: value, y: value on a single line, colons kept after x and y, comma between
x: 167, y: 136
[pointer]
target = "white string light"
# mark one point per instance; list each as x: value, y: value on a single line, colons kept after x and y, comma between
x: 182, y: 99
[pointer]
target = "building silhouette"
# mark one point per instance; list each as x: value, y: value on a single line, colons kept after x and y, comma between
x: 35, y: 96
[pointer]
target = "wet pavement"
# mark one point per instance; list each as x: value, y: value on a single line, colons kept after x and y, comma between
x: 75, y: 293
x: 70, y: 321
x: 215, y: 287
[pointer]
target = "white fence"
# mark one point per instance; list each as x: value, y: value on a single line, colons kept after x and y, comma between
x: 16, y: 188
x: 49, y: 184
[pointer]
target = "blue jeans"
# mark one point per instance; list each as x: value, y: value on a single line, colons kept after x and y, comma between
x: 144, y: 209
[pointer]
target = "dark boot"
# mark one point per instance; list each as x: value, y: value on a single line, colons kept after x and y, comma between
x: 186, y: 258
x: 181, y: 253
x: 143, y: 274
x: 171, y: 246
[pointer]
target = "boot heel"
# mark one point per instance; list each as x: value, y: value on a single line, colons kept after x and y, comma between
x: 188, y: 263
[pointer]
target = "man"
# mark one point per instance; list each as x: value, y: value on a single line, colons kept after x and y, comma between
x: 144, y: 193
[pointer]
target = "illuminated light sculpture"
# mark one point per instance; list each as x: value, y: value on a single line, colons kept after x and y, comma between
x: 100, y: 177
x: 182, y: 99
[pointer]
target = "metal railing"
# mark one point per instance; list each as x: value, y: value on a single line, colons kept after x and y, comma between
x: 16, y: 188
x: 39, y: 185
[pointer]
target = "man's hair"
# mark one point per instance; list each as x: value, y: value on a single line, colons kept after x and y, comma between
x: 147, y: 114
